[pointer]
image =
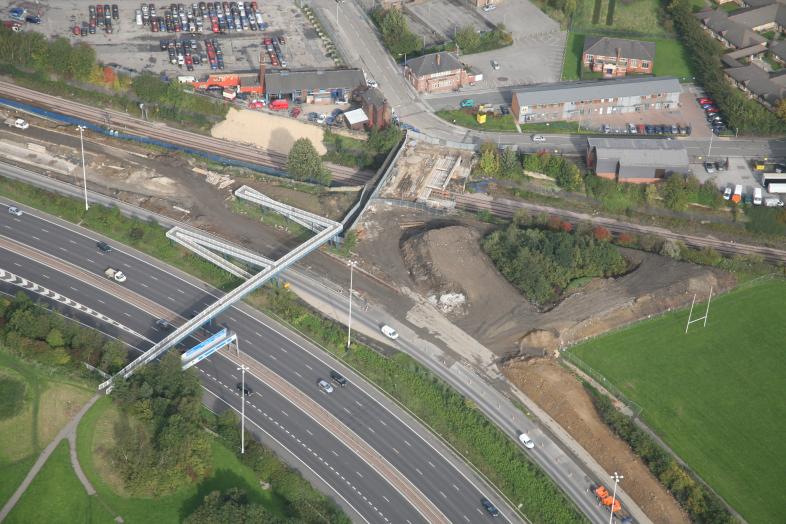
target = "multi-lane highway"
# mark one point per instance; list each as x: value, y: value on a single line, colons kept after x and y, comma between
x: 157, y: 130
x: 451, y: 487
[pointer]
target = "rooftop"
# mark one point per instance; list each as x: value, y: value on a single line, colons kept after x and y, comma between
x: 441, y: 62
x: 356, y: 116
x: 605, y: 46
x: 567, y: 92
x: 287, y: 81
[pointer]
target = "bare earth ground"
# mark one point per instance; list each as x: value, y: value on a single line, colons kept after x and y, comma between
x: 555, y: 390
x: 267, y: 131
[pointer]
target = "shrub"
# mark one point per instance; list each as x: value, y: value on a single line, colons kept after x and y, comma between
x: 601, y: 233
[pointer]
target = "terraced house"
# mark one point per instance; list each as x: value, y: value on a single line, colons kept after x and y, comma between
x: 616, y: 57
x: 436, y: 73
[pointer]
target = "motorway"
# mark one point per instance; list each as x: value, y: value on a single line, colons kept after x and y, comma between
x: 400, y: 441
x: 160, y: 131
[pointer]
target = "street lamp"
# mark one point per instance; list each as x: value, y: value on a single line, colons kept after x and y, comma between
x: 351, y: 265
x: 84, y: 172
x: 617, y: 477
x: 243, y: 368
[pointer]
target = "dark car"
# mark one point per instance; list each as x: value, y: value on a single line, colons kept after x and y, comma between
x: 246, y: 390
x: 103, y: 247
x: 115, y: 12
x: 33, y: 19
x: 649, y: 129
x: 490, y: 508
x: 338, y: 378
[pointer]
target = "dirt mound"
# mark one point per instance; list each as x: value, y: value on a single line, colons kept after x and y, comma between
x: 448, y: 266
x: 562, y: 396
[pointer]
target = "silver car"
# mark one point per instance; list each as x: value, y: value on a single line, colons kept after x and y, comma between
x: 325, y: 386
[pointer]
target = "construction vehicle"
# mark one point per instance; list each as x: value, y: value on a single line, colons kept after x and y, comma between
x: 606, y: 498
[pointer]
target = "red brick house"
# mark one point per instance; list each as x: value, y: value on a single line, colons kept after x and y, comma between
x: 436, y: 73
x: 616, y: 57
x: 376, y: 107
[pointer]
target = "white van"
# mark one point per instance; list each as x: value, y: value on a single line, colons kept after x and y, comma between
x: 138, y: 17
x: 756, y: 196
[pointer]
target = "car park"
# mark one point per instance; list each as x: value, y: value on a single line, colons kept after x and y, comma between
x: 389, y: 332
x: 13, y: 210
x: 489, y: 507
x: 325, y: 386
x: 526, y: 441
x: 338, y: 379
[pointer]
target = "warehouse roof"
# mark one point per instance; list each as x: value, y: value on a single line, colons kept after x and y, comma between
x: 633, y: 153
x: 567, y: 92
x: 322, y: 79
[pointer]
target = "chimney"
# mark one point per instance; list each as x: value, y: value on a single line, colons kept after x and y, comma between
x: 619, y: 52
x: 439, y: 56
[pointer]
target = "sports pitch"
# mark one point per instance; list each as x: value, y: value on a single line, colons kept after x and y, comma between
x: 717, y: 395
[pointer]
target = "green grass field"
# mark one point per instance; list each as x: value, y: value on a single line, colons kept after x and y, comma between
x: 631, y: 18
x: 715, y: 395
x: 466, y: 118
x: 56, y: 496
x: 228, y: 472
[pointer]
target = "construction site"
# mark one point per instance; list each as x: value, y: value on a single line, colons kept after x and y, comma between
x: 429, y: 174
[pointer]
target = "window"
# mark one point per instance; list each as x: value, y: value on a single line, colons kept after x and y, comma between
x: 634, y: 62
x: 589, y: 58
x: 645, y: 64
x: 623, y: 60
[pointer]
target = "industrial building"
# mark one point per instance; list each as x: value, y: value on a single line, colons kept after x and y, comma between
x: 637, y: 161
x: 577, y: 100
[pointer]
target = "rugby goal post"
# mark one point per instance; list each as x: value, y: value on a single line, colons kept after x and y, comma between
x: 691, y: 320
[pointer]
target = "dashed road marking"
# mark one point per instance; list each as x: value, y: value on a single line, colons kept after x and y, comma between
x: 407, y: 443
x: 419, y: 472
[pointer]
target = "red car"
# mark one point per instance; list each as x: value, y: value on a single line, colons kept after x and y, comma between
x: 268, y: 41
x: 256, y: 104
x: 703, y: 101
x: 712, y: 110
x: 295, y: 112
x: 76, y: 30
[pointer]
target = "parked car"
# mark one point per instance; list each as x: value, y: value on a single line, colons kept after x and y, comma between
x: 706, y: 101
x: 372, y: 83
x: 727, y: 193
x: 495, y: 65
x: 295, y: 112
x: 467, y: 102
x: 709, y: 167
x: 538, y: 138
x: 489, y: 7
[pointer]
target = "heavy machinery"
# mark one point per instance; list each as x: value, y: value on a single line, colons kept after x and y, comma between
x: 605, y: 498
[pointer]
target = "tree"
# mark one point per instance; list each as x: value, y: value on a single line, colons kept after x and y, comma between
x: 510, y: 166
x: 674, y: 193
x: 489, y: 159
x: 468, y: 39
x: 231, y: 506
x: 780, y: 109
x: 55, y: 338
x: 304, y: 163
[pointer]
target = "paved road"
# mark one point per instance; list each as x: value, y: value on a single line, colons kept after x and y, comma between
x: 453, y: 488
x: 357, y: 39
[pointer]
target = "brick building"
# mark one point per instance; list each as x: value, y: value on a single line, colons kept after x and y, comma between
x: 591, y: 98
x: 436, y: 73
x: 636, y: 160
x: 616, y: 57
x: 376, y: 107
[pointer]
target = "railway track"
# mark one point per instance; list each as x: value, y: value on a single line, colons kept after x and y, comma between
x: 136, y: 126
x: 508, y: 208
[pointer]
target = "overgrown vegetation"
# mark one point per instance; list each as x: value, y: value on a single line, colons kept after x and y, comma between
x: 232, y: 505
x: 469, y: 41
x: 441, y: 407
x: 51, y: 66
x: 745, y: 115
x: 768, y: 220
x: 541, y: 263
x: 700, y: 503
x: 304, y: 163
x: 12, y: 393
x: 367, y: 154
x: 35, y: 333
x: 396, y: 36
x: 159, y: 442
x: 564, y: 172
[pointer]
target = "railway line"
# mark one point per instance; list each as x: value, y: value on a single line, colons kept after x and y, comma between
x: 508, y: 208
x: 136, y: 126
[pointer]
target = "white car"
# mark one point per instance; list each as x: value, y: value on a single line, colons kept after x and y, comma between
x: 538, y: 138
x: 21, y: 124
x: 727, y: 193
x: 389, y: 332
x: 321, y: 118
x: 371, y: 83
x: 526, y: 441
x: 495, y: 65
x: 489, y: 7
x: 325, y: 386
x: 13, y: 210
x: 120, y: 276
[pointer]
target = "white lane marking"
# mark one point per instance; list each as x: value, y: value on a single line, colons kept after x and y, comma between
x: 170, y: 298
x: 70, y: 240
x: 371, y: 430
x: 105, y: 304
x: 144, y: 285
x: 61, y: 248
x: 233, y: 319
x: 309, y: 367
x: 467, y: 518
x: 309, y: 432
x: 34, y: 237
x: 298, y: 374
x: 17, y: 264
x: 258, y: 334
x: 126, y: 314
x: 45, y: 276
x: 181, y: 291
x: 285, y: 413
x: 456, y: 487
x: 153, y: 276
x: 348, y: 411
x: 6, y: 226
x: 419, y: 472
x: 125, y: 264
x: 395, y: 451
x: 407, y: 443
x: 233, y: 376
x: 47, y: 231
x: 73, y: 288
x: 90, y: 260
x: 358, y: 403
x: 284, y: 350
x: 431, y: 464
x: 273, y: 357
x: 387, y: 499
x: 358, y: 474
x: 333, y: 451
x: 383, y: 422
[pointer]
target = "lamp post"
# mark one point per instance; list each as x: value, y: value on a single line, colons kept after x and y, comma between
x: 243, y: 368
x: 617, y: 477
x: 84, y: 172
x: 351, y: 265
